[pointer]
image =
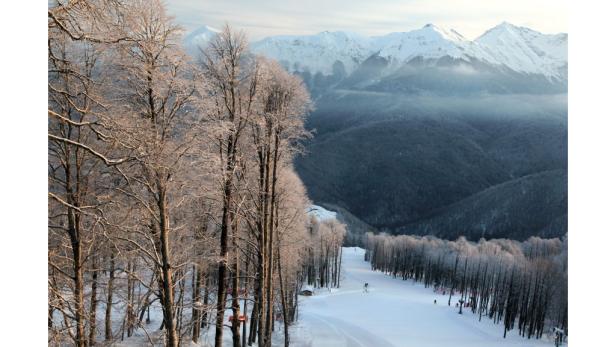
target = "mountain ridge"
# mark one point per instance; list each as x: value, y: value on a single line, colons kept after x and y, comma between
x: 517, y: 48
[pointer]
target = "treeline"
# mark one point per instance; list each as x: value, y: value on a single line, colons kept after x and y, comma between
x: 522, y: 284
x: 172, y: 193
x: 324, y: 258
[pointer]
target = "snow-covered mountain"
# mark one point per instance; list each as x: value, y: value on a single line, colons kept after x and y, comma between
x: 526, y: 50
x: 200, y: 36
x: 429, y: 42
x: 517, y: 48
x: 317, y: 53
x: 506, y: 47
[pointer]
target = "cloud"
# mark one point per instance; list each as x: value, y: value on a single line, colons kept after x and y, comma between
x: 275, y: 17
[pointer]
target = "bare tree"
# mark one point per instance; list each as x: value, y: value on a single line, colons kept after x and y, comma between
x: 79, y: 157
x: 505, y: 280
x: 159, y: 170
x: 157, y: 86
x: 232, y: 85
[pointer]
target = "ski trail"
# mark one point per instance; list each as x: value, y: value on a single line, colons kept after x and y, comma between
x: 394, y: 313
x: 334, y: 332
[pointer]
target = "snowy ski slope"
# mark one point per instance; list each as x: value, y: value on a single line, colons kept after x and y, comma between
x: 393, y: 313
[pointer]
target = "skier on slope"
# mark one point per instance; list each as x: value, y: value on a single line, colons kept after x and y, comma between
x: 366, y: 287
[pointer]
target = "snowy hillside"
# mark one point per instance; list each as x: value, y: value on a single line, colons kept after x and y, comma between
x: 526, y: 50
x: 393, y: 313
x: 316, y: 53
x: 517, y: 48
x: 320, y: 213
x: 429, y: 42
x: 200, y: 36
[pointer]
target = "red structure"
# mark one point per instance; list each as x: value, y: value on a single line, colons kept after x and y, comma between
x: 241, y: 318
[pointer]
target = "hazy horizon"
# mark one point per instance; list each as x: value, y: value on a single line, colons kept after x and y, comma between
x: 471, y: 18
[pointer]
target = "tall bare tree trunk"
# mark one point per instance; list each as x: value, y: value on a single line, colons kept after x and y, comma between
x: 197, y: 309
x: 453, y: 285
x: 129, y: 301
x: 284, y: 300
x: 262, y: 300
x: 93, y: 304
x: 80, y: 338
x: 270, y: 244
x: 179, y: 324
x: 265, y: 317
x: 206, y: 299
x: 108, y: 307
x: 339, y: 266
x: 245, y: 302
x: 235, y: 325
x: 166, y: 271
x: 254, y: 316
x: 224, y: 253
x: 265, y: 281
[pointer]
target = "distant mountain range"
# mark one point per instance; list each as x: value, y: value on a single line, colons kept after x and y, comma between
x: 505, y: 59
x: 505, y: 46
x: 427, y: 132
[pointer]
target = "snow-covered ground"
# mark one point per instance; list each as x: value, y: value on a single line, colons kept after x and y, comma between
x: 320, y: 213
x: 393, y: 313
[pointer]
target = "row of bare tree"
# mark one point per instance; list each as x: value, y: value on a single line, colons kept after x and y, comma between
x: 172, y: 193
x: 324, y: 258
x: 523, y: 283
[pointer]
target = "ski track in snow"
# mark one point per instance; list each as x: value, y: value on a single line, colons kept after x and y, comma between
x: 394, y: 313
x: 328, y: 331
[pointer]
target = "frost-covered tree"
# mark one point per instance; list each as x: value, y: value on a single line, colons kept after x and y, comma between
x: 505, y: 280
x: 80, y: 160
x: 169, y: 180
x: 156, y: 87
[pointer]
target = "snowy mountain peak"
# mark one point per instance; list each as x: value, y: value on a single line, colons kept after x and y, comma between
x: 429, y: 42
x: 445, y: 34
x: 506, y: 25
x: 508, y: 46
x: 200, y: 36
x: 504, y: 28
x: 526, y: 50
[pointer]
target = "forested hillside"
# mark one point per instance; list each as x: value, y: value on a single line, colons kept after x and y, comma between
x: 507, y: 210
x: 410, y: 163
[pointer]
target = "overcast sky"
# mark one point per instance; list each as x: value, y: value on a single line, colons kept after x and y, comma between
x: 471, y: 18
